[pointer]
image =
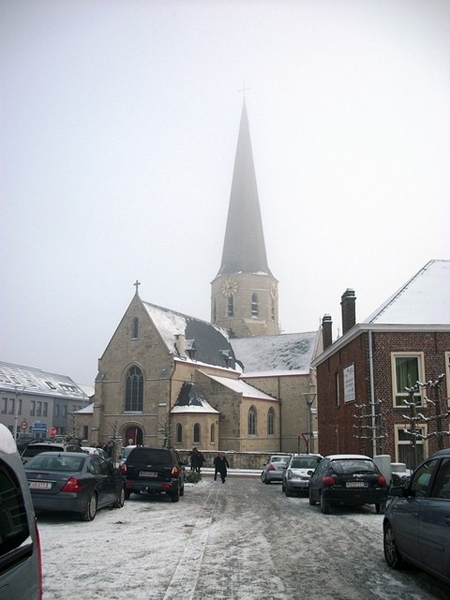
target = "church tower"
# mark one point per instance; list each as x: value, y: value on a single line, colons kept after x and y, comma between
x: 244, y: 294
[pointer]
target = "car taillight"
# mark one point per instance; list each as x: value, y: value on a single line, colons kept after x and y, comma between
x: 71, y: 485
x: 271, y: 468
x: 381, y: 480
x: 175, y: 472
x: 39, y: 559
x: 328, y: 480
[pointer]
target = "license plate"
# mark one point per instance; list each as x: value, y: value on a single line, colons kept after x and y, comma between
x: 148, y: 474
x: 356, y: 484
x: 40, y: 485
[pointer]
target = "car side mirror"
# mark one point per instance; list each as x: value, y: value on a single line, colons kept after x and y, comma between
x: 398, y: 491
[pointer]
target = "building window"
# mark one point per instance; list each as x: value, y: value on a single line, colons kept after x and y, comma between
x: 271, y: 422
x: 45, y: 409
x: 32, y: 408
x: 134, y: 392
x: 214, y: 311
x: 212, y: 437
x: 407, y: 370
x: 56, y: 410
x: 64, y: 410
x: 255, y: 309
x: 230, y: 306
x: 135, y: 333
x: 179, y: 433
x: 196, y: 433
x: 39, y: 409
x: 252, y: 421
x: 410, y: 449
x: 11, y: 406
x: 337, y: 393
x: 273, y: 310
x: 19, y: 406
x: 4, y: 405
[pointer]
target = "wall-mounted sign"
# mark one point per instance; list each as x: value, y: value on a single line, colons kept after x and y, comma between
x: 349, y: 384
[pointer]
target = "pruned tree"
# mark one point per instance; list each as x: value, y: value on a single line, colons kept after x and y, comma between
x: 370, y: 426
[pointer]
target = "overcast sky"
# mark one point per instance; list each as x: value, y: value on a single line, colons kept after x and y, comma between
x: 119, y: 123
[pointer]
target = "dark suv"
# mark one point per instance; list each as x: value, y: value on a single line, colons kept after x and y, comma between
x: 154, y: 470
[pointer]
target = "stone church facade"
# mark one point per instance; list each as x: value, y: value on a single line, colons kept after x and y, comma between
x: 234, y: 383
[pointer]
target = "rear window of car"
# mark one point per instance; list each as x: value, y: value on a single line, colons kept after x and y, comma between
x: 352, y: 466
x: 55, y: 463
x: 152, y: 456
x: 304, y: 463
x: 13, y: 516
x: 34, y: 449
x: 278, y: 458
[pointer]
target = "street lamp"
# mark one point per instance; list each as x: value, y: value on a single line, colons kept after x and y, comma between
x: 309, y: 399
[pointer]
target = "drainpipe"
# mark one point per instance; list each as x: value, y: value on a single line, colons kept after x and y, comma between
x: 281, y: 429
x: 372, y: 397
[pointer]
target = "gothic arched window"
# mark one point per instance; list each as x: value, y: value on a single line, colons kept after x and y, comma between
x: 255, y: 307
x: 252, y: 421
x: 179, y: 433
x: 134, y: 390
x: 196, y: 433
x: 212, y: 437
x: 271, y: 422
x: 135, y: 332
x: 230, y: 306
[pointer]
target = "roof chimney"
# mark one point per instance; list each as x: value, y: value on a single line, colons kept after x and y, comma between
x: 180, y: 345
x: 348, y: 307
x: 327, y: 331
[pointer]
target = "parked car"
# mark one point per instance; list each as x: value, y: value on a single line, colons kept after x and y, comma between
x: 20, y: 552
x: 296, y: 475
x: 94, y: 450
x: 74, y: 482
x: 273, y: 470
x: 347, y: 479
x: 154, y: 470
x: 34, y: 449
x: 416, y: 526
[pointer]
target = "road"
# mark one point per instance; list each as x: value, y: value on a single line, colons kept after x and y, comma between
x: 240, y: 540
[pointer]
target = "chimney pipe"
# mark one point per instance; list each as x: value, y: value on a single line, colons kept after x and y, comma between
x: 348, y: 307
x: 327, y: 331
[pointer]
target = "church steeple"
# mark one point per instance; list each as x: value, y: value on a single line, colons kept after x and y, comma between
x: 244, y: 249
x: 244, y: 295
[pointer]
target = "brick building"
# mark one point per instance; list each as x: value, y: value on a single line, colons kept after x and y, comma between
x: 361, y: 378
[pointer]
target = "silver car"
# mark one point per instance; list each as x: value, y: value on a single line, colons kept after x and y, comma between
x: 273, y: 470
x: 298, y: 472
x: 20, y: 554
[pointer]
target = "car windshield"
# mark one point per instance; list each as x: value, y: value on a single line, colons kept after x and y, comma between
x: 68, y: 464
x: 152, y: 456
x: 350, y: 466
x: 304, y: 463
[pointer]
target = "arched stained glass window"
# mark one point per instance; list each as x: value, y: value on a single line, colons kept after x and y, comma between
x: 212, y: 437
x: 252, y: 421
x: 134, y: 390
x: 255, y: 307
x: 196, y: 433
x: 271, y: 422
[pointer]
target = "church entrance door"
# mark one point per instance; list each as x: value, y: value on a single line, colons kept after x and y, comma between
x: 133, y: 436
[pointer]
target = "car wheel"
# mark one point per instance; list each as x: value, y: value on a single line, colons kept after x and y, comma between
x: 283, y: 487
x: 127, y: 494
x: 288, y: 492
x: 380, y: 508
x: 392, y: 556
x: 263, y: 478
x: 324, y: 505
x: 120, y: 499
x: 312, y: 502
x: 91, y: 508
x: 182, y: 491
x: 175, y: 496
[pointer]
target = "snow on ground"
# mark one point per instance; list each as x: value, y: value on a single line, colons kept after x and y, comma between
x: 240, y: 540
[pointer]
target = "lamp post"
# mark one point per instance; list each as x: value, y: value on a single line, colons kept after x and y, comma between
x: 309, y: 399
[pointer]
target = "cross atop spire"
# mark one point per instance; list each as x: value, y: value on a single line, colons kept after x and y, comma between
x: 244, y: 89
x: 136, y: 285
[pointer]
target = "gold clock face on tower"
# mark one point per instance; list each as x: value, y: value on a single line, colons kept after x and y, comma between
x: 229, y: 287
x: 274, y: 290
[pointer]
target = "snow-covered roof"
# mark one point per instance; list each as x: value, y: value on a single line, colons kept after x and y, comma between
x: 287, y: 353
x: 423, y: 300
x: 191, y: 400
x: 240, y: 387
x: 87, y: 410
x: 35, y: 381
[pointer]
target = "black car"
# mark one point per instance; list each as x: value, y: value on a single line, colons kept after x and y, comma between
x: 74, y: 482
x: 416, y: 526
x: 154, y: 470
x: 347, y: 479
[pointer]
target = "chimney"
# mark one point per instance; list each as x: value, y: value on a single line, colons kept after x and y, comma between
x: 348, y: 307
x: 180, y: 345
x: 327, y: 331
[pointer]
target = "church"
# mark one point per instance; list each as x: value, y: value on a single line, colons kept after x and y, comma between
x: 233, y: 384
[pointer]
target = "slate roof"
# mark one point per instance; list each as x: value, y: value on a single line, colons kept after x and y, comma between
x: 423, y: 300
x: 36, y: 381
x: 210, y: 342
x: 287, y: 353
x: 191, y: 400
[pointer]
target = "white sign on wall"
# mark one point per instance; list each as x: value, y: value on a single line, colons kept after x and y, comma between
x: 349, y: 384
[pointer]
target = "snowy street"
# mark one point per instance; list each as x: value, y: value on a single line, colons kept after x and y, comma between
x: 240, y: 540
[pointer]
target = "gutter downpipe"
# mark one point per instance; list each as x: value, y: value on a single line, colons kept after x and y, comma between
x: 372, y: 397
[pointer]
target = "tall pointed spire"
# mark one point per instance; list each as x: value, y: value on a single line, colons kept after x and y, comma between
x: 244, y: 249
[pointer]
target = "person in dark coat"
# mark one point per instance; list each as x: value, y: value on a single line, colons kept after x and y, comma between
x: 194, y: 459
x: 220, y: 466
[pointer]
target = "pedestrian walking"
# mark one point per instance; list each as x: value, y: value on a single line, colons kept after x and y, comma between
x: 200, y: 461
x: 194, y: 459
x: 220, y: 466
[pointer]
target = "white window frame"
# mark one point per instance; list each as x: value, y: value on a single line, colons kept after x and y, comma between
x: 421, y: 364
x: 423, y: 442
